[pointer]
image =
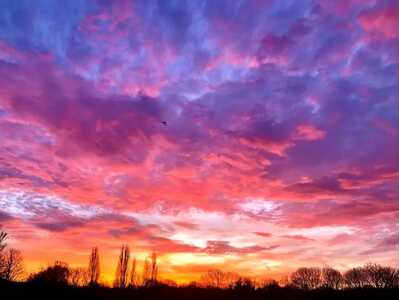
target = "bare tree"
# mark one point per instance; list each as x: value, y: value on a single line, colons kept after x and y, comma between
x: 79, y: 277
x: 356, y: 278
x: 146, y: 272
x: 332, y: 278
x: 380, y: 276
x: 122, y: 268
x: 306, y: 278
x: 269, y: 282
x: 12, y: 265
x: 219, y: 279
x: 284, y: 280
x: 3, y: 237
x: 243, y: 285
x: 396, y: 279
x: 3, y: 244
x: 213, y: 278
x: 231, y: 278
x: 94, y: 267
x: 2, y: 263
x: 133, y: 275
x: 153, y: 268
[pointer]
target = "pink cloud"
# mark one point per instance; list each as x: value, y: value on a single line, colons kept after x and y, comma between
x: 309, y: 132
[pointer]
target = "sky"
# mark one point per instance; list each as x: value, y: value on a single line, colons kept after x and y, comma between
x: 251, y: 136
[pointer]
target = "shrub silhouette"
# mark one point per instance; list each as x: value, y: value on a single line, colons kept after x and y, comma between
x: 56, y: 274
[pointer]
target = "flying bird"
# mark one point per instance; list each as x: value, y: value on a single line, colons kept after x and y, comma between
x: 164, y: 123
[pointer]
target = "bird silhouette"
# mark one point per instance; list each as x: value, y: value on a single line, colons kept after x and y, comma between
x: 164, y: 123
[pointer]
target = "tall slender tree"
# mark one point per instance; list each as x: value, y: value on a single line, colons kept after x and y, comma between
x: 132, y: 280
x: 146, y: 272
x: 94, y: 267
x: 122, y: 268
x: 154, y: 268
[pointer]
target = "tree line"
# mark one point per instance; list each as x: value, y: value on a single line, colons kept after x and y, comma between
x: 309, y: 278
x: 127, y: 276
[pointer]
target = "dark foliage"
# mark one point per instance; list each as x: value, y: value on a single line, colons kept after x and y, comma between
x: 13, y: 290
x: 57, y: 274
x: 59, y: 281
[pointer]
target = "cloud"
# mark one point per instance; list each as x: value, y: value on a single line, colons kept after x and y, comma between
x: 222, y: 247
x: 58, y: 227
x: 4, y: 217
x: 382, y: 18
x: 308, y: 132
x: 274, y: 49
x: 263, y: 234
x: 101, y: 126
x: 389, y: 243
x: 281, y: 128
x: 187, y: 225
x: 297, y: 237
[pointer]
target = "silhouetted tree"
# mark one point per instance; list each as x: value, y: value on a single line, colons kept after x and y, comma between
x: 396, y: 279
x: 133, y: 275
x: 213, y: 278
x: 169, y: 282
x: 356, y: 278
x: 284, y: 281
x: 306, y: 278
x: 3, y: 238
x: 332, y: 278
x: 12, y: 265
x: 122, y: 268
x: 146, y: 272
x: 232, y: 277
x: 94, y: 267
x: 268, y: 282
x: 219, y: 279
x: 79, y: 277
x: 243, y: 286
x: 380, y: 276
x: 153, y: 268
x: 150, y: 270
x: 56, y: 274
x: 194, y: 284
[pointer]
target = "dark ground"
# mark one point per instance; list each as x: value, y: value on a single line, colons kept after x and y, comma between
x: 30, y: 291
